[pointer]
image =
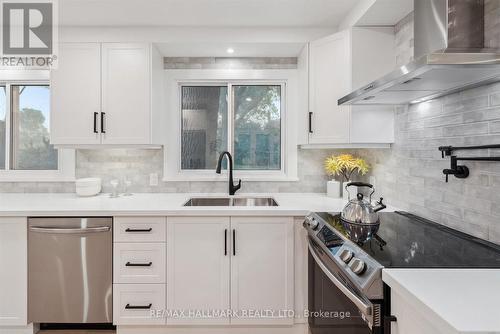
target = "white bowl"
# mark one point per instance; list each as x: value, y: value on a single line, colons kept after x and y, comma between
x: 87, y: 187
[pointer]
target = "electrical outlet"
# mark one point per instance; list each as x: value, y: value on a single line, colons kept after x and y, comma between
x: 153, y: 179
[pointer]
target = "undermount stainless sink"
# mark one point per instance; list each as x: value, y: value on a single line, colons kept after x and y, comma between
x: 231, y: 201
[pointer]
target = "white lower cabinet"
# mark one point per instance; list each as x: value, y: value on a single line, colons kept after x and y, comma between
x: 133, y: 304
x: 242, y: 264
x: 14, y: 271
x: 139, y: 262
x: 262, y: 270
x: 139, y: 265
x: 412, y: 320
x: 139, y: 229
x: 198, y: 265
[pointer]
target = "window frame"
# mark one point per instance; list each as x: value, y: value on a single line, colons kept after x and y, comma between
x: 230, y: 121
x: 176, y: 79
x: 65, y: 171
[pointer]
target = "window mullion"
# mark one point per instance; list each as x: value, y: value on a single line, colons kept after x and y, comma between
x: 8, y: 126
x: 230, y: 117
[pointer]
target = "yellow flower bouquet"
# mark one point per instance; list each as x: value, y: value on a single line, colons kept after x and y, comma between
x: 345, y: 165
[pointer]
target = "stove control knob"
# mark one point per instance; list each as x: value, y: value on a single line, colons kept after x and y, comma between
x: 312, y: 223
x: 346, y: 255
x: 357, y: 266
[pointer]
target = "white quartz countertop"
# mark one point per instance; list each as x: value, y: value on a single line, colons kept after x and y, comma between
x: 461, y: 300
x: 157, y: 204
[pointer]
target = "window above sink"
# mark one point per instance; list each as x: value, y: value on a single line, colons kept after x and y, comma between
x: 249, y: 113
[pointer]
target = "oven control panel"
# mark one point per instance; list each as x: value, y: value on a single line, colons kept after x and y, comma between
x: 332, y: 241
x: 350, y: 259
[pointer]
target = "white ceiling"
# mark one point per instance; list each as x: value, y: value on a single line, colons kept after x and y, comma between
x: 220, y: 49
x: 200, y: 13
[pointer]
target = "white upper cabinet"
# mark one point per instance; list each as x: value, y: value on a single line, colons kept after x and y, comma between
x: 107, y: 94
x: 126, y: 93
x: 76, y: 95
x: 329, y: 78
x: 373, y: 56
x: 339, y: 64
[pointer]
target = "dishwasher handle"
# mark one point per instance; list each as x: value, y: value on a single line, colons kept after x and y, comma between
x: 63, y: 230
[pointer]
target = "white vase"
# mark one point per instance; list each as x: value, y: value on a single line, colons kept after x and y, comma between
x: 333, y: 189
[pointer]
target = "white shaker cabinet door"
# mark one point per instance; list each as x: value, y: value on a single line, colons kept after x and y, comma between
x: 14, y: 272
x: 329, y: 80
x: 198, y: 262
x: 76, y: 95
x: 126, y: 93
x: 262, y: 269
x: 133, y: 303
x: 412, y: 320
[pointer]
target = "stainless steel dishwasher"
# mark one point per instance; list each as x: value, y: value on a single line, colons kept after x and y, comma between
x: 70, y: 270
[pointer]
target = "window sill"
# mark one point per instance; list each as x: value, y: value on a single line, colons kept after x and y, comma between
x: 12, y: 176
x: 65, y: 173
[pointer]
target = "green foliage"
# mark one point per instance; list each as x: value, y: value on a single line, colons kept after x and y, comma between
x: 257, y: 127
x: 32, y: 145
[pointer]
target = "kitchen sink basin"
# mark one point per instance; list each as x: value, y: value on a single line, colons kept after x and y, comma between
x: 233, y: 201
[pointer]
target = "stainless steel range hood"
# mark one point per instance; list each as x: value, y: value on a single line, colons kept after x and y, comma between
x: 450, y: 54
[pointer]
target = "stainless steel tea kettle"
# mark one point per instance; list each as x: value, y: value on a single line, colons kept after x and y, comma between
x: 360, y: 210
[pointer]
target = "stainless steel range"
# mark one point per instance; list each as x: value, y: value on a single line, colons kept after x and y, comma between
x: 346, y: 291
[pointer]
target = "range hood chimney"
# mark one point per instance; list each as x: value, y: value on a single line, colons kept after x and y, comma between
x: 451, y: 55
x: 448, y: 26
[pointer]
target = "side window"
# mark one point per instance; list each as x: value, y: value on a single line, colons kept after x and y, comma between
x: 30, y: 114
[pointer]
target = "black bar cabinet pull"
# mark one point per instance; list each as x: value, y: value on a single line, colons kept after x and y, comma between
x: 95, y: 122
x: 225, y: 242
x: 310, y: 122
x: 103, y: 115
x: 138, y: 307
x: 129, y: 264
x: 234, y: 242
x: 138, y: 230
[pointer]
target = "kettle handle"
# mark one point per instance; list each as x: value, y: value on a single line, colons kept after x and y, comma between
x: 359, y: 184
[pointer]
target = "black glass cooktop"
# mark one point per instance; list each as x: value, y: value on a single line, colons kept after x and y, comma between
x: 407, y: 241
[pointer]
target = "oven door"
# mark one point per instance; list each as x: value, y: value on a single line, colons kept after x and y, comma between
x: 334, y: 306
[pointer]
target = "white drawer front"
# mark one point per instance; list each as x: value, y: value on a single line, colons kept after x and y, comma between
x: 133, y: 304
x: 140, y: 229
x: 139, y: 262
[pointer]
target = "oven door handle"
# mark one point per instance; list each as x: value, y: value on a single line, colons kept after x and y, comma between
x: 366, y: 308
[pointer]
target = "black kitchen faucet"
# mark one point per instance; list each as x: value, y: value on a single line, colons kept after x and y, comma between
x: 232, y: 188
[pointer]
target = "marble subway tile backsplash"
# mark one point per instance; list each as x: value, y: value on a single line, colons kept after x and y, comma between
x: 255, y: 63
x: 137, y: 164
x: 410, y: 175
